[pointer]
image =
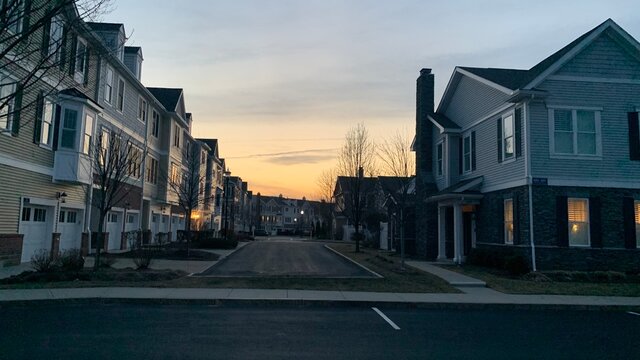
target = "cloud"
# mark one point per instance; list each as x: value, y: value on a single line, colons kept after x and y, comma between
x: 311, y: 156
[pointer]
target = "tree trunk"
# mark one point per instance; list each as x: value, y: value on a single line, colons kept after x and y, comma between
x: 99, y: 236
x: 402, y: 237
x: 187, y: 231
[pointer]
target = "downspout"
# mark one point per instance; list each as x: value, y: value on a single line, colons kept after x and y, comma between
x: 527, y: 160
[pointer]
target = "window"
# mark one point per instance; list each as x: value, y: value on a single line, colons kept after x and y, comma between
x: 39, y: 215
x: 575, y: 132
x: 26, y: 214
x: 508, y: 221
x: 176, y: 135
x: 62, y: 216
x: 88, y: 133
x: 155, y: 124
x: 112, y: 217
x: 508, y: 139
x: 108, y: 85
x: 135, y: 161
x: 439, y: 164
x: 466, y: 153
x: 15, y: 17
x: 69, y: 128
x: 7, y: 102
x: 154, y: 218
x: 71, y: 217
x: 175, y: 173
x: 131, y: 218
x: 120, y: 104
x: 636, y: 206
x: 578, y: 212
x: 142, y: 109
x: 81, y: 60
x: 48, y: 113
x: 56, y: 32
x: 152, y: 170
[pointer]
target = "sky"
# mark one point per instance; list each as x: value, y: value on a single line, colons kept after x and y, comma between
x: 280, y: 82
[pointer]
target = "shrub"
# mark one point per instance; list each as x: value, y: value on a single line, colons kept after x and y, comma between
x: 516, y: 265
x: 107, y: 261
x: 43, y: 262
x: 217, y: 243
x: 513, y: 263
x: 71, y: 260
x: 142, y: 257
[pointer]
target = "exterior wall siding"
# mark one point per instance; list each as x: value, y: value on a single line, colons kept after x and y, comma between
x: 473, y: 100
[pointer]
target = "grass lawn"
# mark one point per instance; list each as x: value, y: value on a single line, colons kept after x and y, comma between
x: 410, y: 280
x: 503, y: 282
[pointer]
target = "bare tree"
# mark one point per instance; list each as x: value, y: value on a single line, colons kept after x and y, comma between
x: 326, y: 183
x: 115, y: 161
x: 397, y: 161
x: 355, y: 159
x: 187, y: 183
x: 35, y: 44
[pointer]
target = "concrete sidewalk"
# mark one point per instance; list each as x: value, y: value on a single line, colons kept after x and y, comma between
x: 283, y: 296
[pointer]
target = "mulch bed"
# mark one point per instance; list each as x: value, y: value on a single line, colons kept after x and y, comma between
x: 108, y: 275
x: 173, y: 254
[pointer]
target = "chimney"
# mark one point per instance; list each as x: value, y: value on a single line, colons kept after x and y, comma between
x: 133, y: 60
x: 424, y: 129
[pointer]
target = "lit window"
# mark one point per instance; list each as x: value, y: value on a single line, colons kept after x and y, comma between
x: 508, y: 137
x: 508, y: 221
x: 48, y: 112
x: 88, y: 133
x: 636, y: 206
x: 7, y: 102
x: 575, y: 132
x: 120, y: 104
x: 578, y: 213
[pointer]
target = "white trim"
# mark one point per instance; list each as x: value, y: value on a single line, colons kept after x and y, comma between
x: 37, y: 201
x: 492, y: 114
x: 602, y: 183
x: 505, y: 185
x: 465, y: 171
x: 71, y: 205
x: 511, y: 113
x: 21, y: 164
x: 593, y: 79
x: 575, y: 107
x: 588, y: 244
x: 485, y: 81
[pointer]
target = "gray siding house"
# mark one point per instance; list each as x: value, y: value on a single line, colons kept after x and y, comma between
x: 543, y: 163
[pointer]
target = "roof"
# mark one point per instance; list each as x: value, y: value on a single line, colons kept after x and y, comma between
x: 443, y: 121
x: 168, y: 97
x: 368, y: 183
x: 100, y: 26
x: 509, y: 78
x: 73, y: 92
x: 132, y: 49
x: 468, y: 186
x: 213, y: 143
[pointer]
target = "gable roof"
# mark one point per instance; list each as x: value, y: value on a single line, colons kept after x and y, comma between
x: 168, y: 97
x: 509, y: 78
x: 100, y: 26
x: 442, y: 122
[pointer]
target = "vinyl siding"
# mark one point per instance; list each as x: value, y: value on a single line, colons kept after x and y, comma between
x: 603, y: 58
x: 472, y: 101
x: 615, y: 163
x: 17, y: 183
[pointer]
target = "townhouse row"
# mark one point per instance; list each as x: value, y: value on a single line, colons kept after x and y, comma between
x: 68, y: 87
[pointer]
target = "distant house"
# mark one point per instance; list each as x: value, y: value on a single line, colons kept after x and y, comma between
x: 346, y: 196
x: 543, y: 162
x: 398, y: 193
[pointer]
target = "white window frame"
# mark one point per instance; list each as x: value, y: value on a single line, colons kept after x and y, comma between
x: 64, y: 128
x: 155, y: 123
x: 46, y: 136
x: 440, y: 158
x: 464, y: 158
x: 508, y: 223
x: 176, y: 135
x: 504, y: 139
x: 587, y: 223
x: 152, y: 170
x: 81, y: 63
x: 89, y: 123
x: 108, y: 84
x: 120, y: 95
x: 16, y: 18
x: 574, y: 118
x: 143, y: 109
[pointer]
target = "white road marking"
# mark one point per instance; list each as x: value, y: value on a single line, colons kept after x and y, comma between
x: 633, y: 313
x: 393, y: 325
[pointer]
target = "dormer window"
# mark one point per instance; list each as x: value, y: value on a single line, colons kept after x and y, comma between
x: 81, y: 61
x: 14, y: 15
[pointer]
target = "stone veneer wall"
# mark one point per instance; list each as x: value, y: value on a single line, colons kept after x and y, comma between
x: 426, y: 220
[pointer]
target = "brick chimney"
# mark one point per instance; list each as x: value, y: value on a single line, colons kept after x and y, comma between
x: 424, y: 129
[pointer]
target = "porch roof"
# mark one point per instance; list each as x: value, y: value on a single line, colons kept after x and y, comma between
x: 465, y: 189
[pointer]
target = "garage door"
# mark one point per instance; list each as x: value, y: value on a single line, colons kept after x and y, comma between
x: 114, y: 228
x: 37, y: 226
x: 70, y: 228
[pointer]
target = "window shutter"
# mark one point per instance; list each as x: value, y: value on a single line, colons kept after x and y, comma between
x: 500, y: 210
x: 595, y: 223
x: 629, y: 217
x: 63, y: 47
x: 56, y: 127
x: 26, y: 20
x: 473, y: 150
x: 634, y: 136
x: 46, y: 33
x: 516, y: 219
x: 86, y: 66
x: 518, y: 132
x: 562, y: 221
x: 460, y: 155
x: 499, y: 123
x: 15, y: 121
x: 37, y: 124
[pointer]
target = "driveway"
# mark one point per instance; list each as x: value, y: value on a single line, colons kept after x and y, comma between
x: 286, y: 257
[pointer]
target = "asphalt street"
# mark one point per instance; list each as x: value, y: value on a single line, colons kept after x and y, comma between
x: 285, y: 257
x: 126, y: 331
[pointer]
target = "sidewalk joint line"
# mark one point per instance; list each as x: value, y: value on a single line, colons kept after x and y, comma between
x: 382, y: 315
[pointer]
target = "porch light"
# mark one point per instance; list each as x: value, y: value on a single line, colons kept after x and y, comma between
x: 575, y: 228
x: 195, y: 216
x: 62, y: 196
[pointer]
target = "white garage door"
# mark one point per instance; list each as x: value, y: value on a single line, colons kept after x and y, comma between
x: 114, y: 228
x: 70, y: 228
x: 36, y: 226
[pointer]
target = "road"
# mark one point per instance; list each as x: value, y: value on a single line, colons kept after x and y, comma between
x: 286, y: 257
x: 126, y: 331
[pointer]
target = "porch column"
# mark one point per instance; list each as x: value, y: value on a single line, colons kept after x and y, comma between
x: 441, y: 233
x: 457, y: 233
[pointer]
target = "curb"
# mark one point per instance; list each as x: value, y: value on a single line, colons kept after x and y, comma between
x: 354, y: 262
x: 317, y: 303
